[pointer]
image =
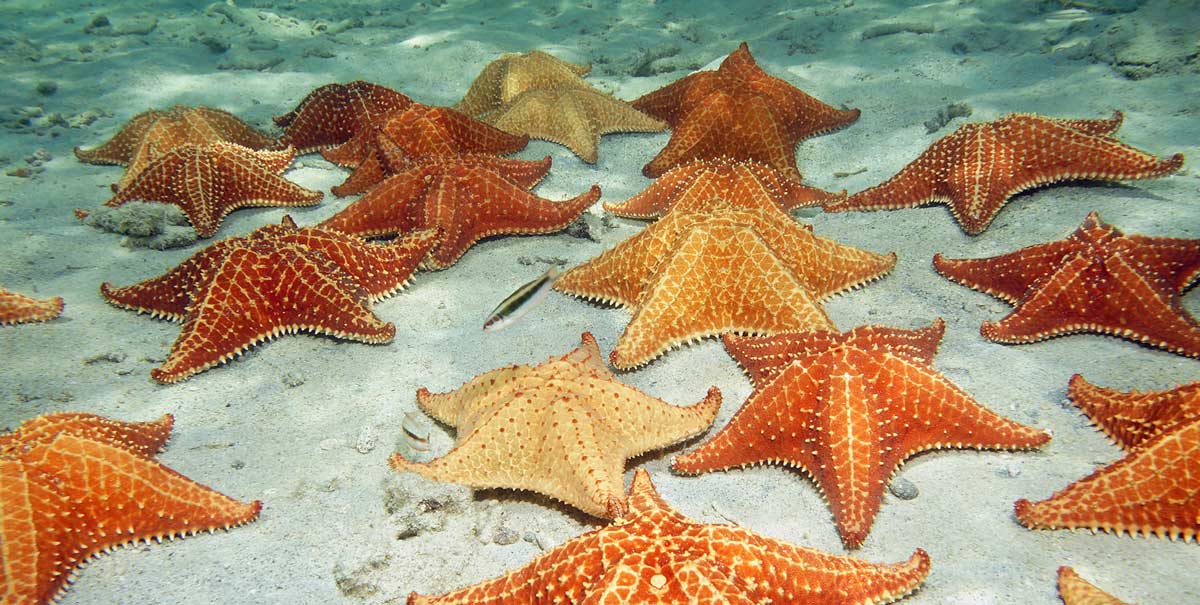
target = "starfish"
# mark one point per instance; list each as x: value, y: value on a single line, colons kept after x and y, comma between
x: 77, y: 485
x: 563, y: 428
x: 504, y: 79
x: 163, y: 128
x: 279, y: 279
x: 746, y: 183
x: 571, y: 116
x: 656, y: 556
x: 698, y: 273
x: 979, y: 167
x: 18, y: 309
x: 1155, y: 488
x: 464, y: 199
x: 208, y: 182
x: 331, y: 114
x: 421, y: 130
x: 1096, y: 280
x: 739, y: 111
x: 848, y: 409
x: 1074, y: 590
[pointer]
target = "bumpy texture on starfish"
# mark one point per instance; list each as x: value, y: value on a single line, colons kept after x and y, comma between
x: 1096, y: 280
x: 504, y: 79
x: 165, y: 129
x: 208, y: 182
x: 1155, y: 488
x: 698, y: 273
x: 737, y: 111
x: 465, y: 200
x: 18, y: 309
x: 279, y: 279
x: 563, y: 428
x: 73, y: 486
x: 421, y: 130
x: 977, y: 168
x: 331, y: 114
x: 656, y: 556
x: 745, y: 183
x: 848, y: 409
x: 1074, y: 590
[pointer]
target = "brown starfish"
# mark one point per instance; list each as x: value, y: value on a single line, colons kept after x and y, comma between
x: 331, y: 114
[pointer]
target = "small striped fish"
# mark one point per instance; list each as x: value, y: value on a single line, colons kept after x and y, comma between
x: 518, y: 303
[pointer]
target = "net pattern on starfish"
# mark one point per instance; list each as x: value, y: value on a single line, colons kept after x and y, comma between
x: 16, y: 308
x: 505, y: 78
x: 1074, y: 590
x: 73, y: 486
x: 166, y: 129
x: 745, y: 183
x: 694, y: 274
x: 738, y: 111
x: 279, y: 279
x: 656, y: 556
x: 1155, y: 488
x: 976, y: 169
x: 848, y: 409
x: 563, y: 428
x: 332, y: 114
x: 465, y: 200
x: 1097, y: 280
x: 207, y: 182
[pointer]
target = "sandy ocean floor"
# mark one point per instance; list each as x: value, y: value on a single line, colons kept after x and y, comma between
x: 306, y: 424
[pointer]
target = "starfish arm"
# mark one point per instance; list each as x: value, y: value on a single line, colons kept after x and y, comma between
x: 1108, y: 297
x: 823, y: 266
x: 670, y: 103
x: 536, y: 69
x: 355, y: 150
x: 373, y: 169
x: 120, y: 148
x: 656, y: 199
x: 587, y: 355
x: 228, y: 127
x: 441, y: 130
x: 247, y: 301
x: 393, y: 206
x: 484, y: 92
x: 1094, y: 127
x: 43, y: 535
x: 618, y: 275
x: 645, y: 423
x: 169, y: 295
x: 1009, y: 277
x: 551, y: 116
x: 1074, y: 590
x: 462, y: 407
x: 145, y: 439
x: 17, y: 308
x: 1176, y: 261
x: 379, y: 269
x: 609, y: 114
x: 787, y: 192
x: 331, y: 114
x: 758, y: 294
x: 131, y: 497
x: 1130, y: 419
x: 1153, y: 490
x: 915, y: 185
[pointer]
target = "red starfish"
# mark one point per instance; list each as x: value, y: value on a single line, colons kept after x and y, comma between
x: 746, y: 183
x: 737, y: 111
x: 1155, y: 488
x: 73, y: 486
x: 277, y: 280
x: 976, y: 169
x: 656, y: 556
x: 208, y: 182
x: 420, y: 130
x: 18, y: 308
x: 1096, y: 280
x: 333, y: 113
x: 464, y: 199
x: 848, y: 409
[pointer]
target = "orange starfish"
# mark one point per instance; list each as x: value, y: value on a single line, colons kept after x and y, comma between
x: 745, y: 183
x: 563, y: 428
x: 1074, y: 590
x: 694, y: 274
x: 1096, y: 280
x: 331, y: 114
x: 73, y: 486
x: 464, y: 199
x: 656, y: 556
x: 208, y: 182
x: 421, y: 130
x: 738, y: 111
x: 279, y: 279
x: 165, y: 129
x: 979, y: 167
x: 848, y: 409
x: 1155, y: 488
x: 504, y: 79
x: 18, y: 308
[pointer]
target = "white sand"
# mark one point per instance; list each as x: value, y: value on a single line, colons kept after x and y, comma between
x: 325, y: 535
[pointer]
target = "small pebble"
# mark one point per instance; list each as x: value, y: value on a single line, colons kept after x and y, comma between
x: 903, y: 488
x: 1012, y: 469
x: 292, y: 381
x: 505, y: 536
x: 47, y: 87
x: 366, y: 439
